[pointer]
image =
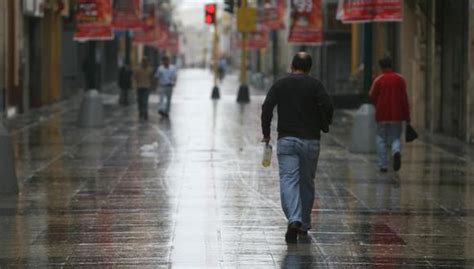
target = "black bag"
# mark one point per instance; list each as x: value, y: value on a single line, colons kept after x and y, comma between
x: 410, y: 134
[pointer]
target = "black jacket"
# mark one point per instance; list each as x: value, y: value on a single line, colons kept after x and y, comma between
x: 304, y: 107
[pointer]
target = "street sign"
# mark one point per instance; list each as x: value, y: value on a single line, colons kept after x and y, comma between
x: 246, y: 19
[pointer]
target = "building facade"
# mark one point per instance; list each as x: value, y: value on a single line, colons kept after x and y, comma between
x: 40, y: 63
x: 433, y: 47
x: 437, y: 60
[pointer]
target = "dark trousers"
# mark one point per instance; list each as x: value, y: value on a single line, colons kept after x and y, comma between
x: 142, y: 99
x: 123, y: 99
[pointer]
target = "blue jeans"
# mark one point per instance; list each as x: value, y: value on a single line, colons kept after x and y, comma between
x: 297, y: 160
x: 388, y: 134
x: 165, y: 98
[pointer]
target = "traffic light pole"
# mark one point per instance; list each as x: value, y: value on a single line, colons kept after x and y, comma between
x: 215, y: 90
x: 368, y: 47
x: 243, y: 95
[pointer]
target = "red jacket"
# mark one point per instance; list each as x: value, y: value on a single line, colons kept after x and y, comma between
x: 389, y: 95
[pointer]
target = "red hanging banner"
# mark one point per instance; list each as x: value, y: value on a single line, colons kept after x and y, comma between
x: 172, y: 44
x: 93, y: 20
x: 163, y: 35
x: 255, y: 40
x: 127, y: 14
x: 272, y: 14
x: 306, y: 22
x: 147, y: 33
x: 145, y: 36
x: 360, y: 11
x: 258, y: 39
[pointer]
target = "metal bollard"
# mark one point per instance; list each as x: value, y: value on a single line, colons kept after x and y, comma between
x: 364, y: 130
x: 91, y: 113
x: 8, y: 180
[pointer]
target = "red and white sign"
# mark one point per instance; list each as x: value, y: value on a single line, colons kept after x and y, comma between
x: 360, y: 11
x: 306, y: 22
x: 163, y: 35
x: 147, y: 33
x: 272, y: 14
x: 257, y: 40
x: 93, y: 20
x: 127, y: 14
x: 166, y: 39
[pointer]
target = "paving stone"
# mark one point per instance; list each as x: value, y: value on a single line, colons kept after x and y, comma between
x: 189, y: 192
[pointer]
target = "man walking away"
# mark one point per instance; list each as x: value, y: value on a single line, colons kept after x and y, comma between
x: 304, y: 109
x: 125, y: 83
x: 143, y: 76
x: 389, y: 95
x: 166, y: 77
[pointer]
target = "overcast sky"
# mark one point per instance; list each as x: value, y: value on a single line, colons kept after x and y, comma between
x: 191, y: 12
x: 194, y: 4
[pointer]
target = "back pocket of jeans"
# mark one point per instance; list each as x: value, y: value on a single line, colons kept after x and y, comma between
x: 285, y: 147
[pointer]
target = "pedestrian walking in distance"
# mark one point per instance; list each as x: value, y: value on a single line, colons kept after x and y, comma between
x: 125, y: 83
x: 143, y: 77
x: 166, y: 77
x: 389, y: 95
x: 222, y: 68
x: 304, y: 109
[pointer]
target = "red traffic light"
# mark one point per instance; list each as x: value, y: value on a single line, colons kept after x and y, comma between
x: 210, y: 17
x: 211, y: 8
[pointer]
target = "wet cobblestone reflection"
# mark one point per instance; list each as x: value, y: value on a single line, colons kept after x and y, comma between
x: 190, y: 192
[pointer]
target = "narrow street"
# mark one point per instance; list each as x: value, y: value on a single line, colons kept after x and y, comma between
x: 190, y: 192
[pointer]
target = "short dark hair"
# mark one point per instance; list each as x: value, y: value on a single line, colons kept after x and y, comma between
x: 302, y: 61
x: 385, y: 63
x: 165, y: 58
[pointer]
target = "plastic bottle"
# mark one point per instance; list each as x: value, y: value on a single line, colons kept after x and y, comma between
x: 267, y: 155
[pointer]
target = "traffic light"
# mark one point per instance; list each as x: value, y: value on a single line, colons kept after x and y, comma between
x: 229, y: 6
x: 210, y: 13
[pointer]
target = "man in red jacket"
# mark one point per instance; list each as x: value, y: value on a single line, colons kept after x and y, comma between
x: 389, y: 95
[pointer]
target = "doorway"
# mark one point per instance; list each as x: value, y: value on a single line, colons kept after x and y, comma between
x: 451, y: 41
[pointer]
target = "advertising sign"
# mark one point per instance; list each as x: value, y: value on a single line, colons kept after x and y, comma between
x: 306, y: 26
x: 127, y: 14
x: 147, y: 33
x: 258, y: 39
x: 272, y: 14
x: 360, y: 11
x: 93, y: 20
x: 163, y: 35
x: 255, y: 40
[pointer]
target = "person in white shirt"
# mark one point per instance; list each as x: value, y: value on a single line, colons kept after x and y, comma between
x: 166, y: 78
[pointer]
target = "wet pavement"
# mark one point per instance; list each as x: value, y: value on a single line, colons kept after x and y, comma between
x: 190, y: 192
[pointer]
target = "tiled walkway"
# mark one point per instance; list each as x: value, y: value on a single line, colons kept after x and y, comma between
x: 191, y: 193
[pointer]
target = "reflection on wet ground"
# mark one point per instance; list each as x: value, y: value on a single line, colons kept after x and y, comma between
x: 190, y: 192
